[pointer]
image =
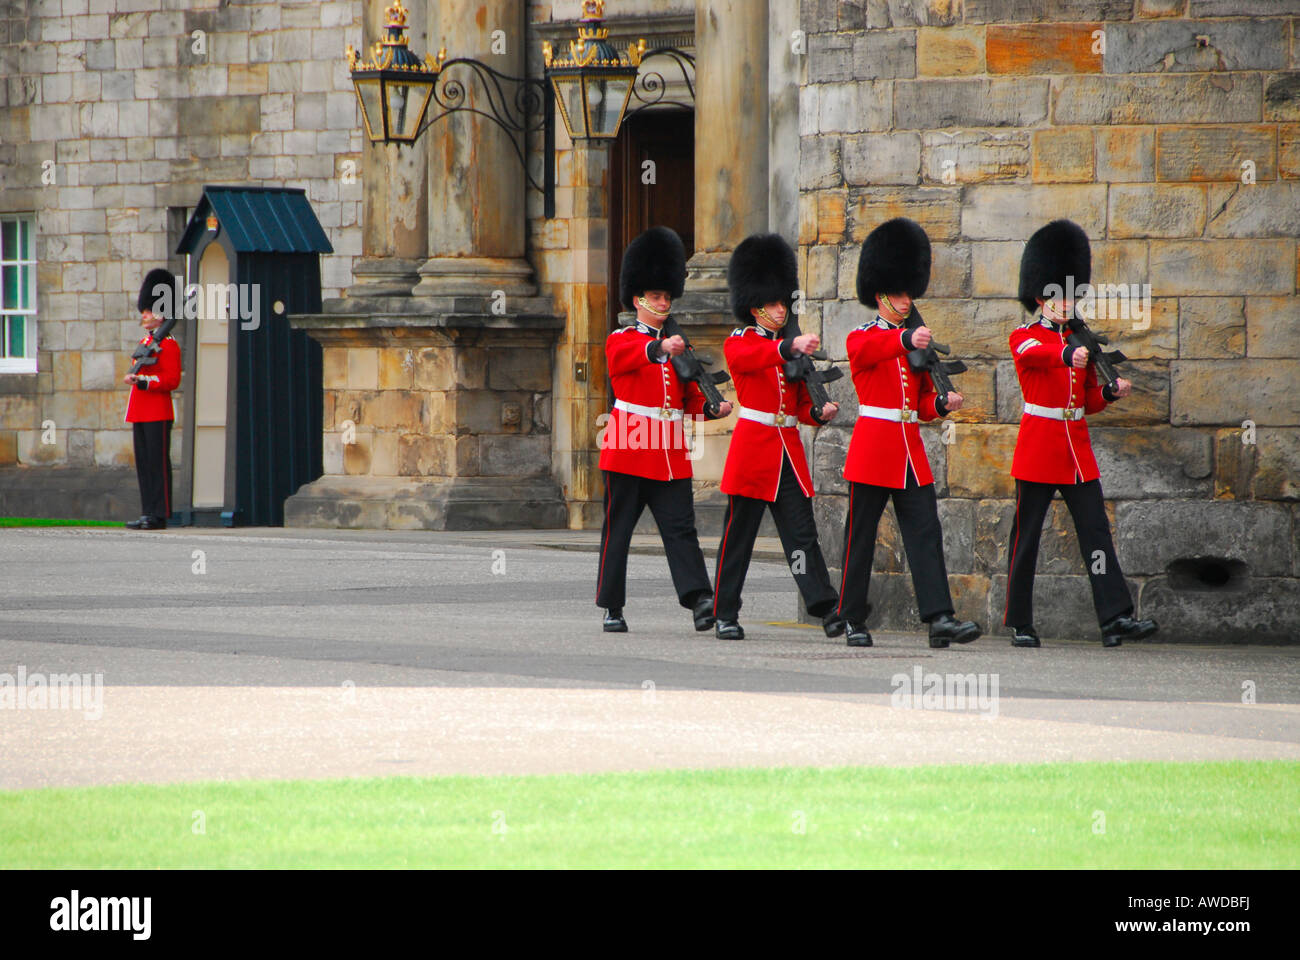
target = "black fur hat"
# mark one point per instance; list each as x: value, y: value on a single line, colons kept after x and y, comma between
x: 1055, y: 252
x: 154, y: 278
x: 656, y: 260
x: 894, y: 258
x: 763, y: 270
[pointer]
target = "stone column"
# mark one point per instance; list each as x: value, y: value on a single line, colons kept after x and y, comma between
x: 476, y: 182
x: 731, y: 135
x: 394, y: 183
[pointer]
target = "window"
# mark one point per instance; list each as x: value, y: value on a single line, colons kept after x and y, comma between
x: 17, y: 293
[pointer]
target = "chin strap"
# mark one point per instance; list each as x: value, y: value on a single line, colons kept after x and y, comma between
x: 649, y: 309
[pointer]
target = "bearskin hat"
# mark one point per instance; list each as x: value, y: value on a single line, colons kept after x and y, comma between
x: 154, y: 278
x: 1054, y: 253
x: 895, y: 257
x: 656, y: 260
x: 763, y: 270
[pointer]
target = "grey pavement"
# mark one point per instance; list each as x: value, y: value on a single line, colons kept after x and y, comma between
x: 299, y: 653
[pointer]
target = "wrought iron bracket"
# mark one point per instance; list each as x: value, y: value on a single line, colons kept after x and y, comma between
x: 651, y: 87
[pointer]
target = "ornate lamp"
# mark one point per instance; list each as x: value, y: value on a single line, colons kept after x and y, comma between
x: 592, y: 84
x: 394, y: 87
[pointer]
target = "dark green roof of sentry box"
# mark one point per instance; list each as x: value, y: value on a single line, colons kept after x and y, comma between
x: 259, y: 220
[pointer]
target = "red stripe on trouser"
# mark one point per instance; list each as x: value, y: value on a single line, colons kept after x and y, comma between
x: 848, y: 544
x: 1011, y: 565
x: 722, y: 550
x: 609, y: 499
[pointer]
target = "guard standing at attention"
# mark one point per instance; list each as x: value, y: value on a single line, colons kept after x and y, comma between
x: 886, y: 458
x: 766, y: 467
x: 643, y: 449
x: 149, y: 409
x: 1053, y: 449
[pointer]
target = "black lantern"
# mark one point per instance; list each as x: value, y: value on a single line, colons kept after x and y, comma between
x: 394, y: 87
x: 592, y: 84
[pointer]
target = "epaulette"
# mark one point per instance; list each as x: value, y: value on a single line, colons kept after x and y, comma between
x: 740, y: 331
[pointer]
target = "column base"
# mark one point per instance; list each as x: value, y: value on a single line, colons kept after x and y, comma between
x: 477, y: 276
x: 435, y: 503
x: 384, y: 277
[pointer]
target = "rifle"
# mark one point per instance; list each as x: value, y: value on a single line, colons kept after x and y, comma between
x: 690, y: 367
x: 1081, y: 335
x: 146, y: 354
x: 801, y: 368
x: 927, y: 360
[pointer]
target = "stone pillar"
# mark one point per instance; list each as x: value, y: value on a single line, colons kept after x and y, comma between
x: 476, y: 182
x: 394, y: 183
x: 731, y: 135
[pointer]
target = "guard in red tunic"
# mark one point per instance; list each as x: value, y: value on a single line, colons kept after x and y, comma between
x: 149, y: 411
x: 643, y: 448
x: 1053, y: 451
x: 886, y: 458
x: 766, y: 467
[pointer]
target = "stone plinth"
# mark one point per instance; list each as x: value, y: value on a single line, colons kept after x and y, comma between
x: 438, y: 415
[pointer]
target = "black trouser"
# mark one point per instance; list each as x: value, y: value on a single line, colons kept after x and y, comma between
x: 1109, y: 591
x: 153, y: 467
x: 917, y: 511
x: 673, y: 505
x: 792, y: 513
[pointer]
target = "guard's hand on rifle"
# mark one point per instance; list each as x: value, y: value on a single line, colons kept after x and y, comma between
x: 806, y: 343
x: 828, y: 412
x: 131, y: 378
x: 953, y: 401
x: 1123, y: 388
x: 921, y: 338
x: 1079, y: 359
x: 724, y: 408
x: 674, y: 346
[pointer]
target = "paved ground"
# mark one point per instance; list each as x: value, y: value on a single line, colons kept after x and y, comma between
x: 309, y: 653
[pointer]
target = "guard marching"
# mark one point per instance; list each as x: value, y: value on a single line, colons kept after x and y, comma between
x: 149, y: 408
x: 886, y: 458
x: 643, y: 449
x: 766, y: 467
x: 1053, y: 449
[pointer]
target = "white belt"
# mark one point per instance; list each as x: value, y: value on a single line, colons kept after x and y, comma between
x: 771, y: 419
x: 1055, y: 413
x: 658, y: 413
x: 885, y: 413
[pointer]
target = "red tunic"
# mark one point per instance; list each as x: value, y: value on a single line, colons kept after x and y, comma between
x: 881, y: 449
x: 1047, y: 450
x: 154, y: 402
x: 642, y: 446
x: 757, y: 450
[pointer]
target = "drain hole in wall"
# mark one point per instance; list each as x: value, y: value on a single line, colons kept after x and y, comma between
x: 1207, y: 573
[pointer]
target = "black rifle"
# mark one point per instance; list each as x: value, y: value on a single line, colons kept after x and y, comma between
x: 146, y: 354
x: 926, y: 360
x: 1081, y: 335
x: 802, y: 370
x: 690, y: 367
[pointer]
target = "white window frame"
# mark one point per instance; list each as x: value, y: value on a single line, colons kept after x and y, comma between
x: 25, y: 364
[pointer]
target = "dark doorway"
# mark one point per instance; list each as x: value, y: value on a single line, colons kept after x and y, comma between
x: 665, y: 139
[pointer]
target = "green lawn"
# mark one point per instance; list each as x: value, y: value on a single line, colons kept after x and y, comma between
x: 55, y: 522
x: 1238, y: 814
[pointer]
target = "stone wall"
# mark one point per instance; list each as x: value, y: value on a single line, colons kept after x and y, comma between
x: 109, y: 100
x: 982, y: 120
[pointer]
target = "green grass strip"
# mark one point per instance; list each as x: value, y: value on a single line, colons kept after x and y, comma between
x: 1237, y: 814
x: 55, y: 522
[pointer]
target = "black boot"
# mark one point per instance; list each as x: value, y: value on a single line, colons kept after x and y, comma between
x: 730, y: 630
x: 833, y: 624
x: 704, y: 613
x: 614, y: 622
x: 1025, y: 637
x: 137, y: 524
x: 945, y: 629
x: 1118, y: 629
x: 858, y: 636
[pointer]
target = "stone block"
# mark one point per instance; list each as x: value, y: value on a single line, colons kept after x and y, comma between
x: 830, y: 57
x: 819, y: 162
x: 936, y: 104
x: 974, y: 156
x: 936, y: 451
x: 1222, y: 267
x: 1211, y: 327
x: 855, y: 107
x: 995, y: 267
x: 1215, y: 152
x: 1064, y: 155
x: 830, y: 214
x: 1021, y: 11
x: 979, y: 461
x: 363, y: 368
x: 1126, y: 154
x: 1014, y: 211
x: 114, y: 448
x: 1154, y: 462
x: 519, y: 369
x: 1176, y: 98
x: 950, y: 271
x: 1255, y: 210
x: 1277, y: 471
x: 514, y: 456
x: 1173, y: 46
x: 830, y: 447
x: 1273, y: 327
x: 1263, y: 610
x: 884, y: 55
x: 1282, y: 96
x: 1152, y: 534
x: 1288, y: 150
x: 978, y: 389
x: 97, y: 371
x: 1037, y: 49
x: 937, y: 209
x: 881, y: 158
x: 1157, y: 211
x: 949, y: 51
x: 820, y: 278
